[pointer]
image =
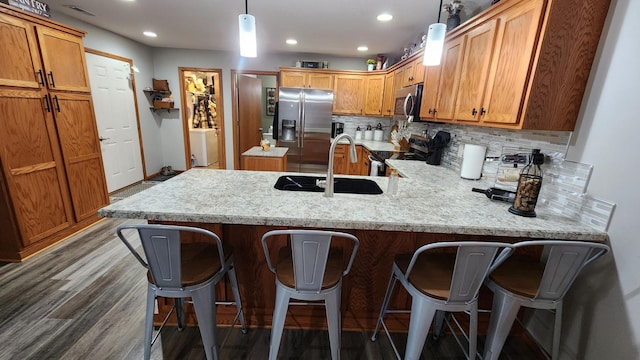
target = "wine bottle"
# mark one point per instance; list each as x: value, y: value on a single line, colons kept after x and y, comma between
x: 497, y: 194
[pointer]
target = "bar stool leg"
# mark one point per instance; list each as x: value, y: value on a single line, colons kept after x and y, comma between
x: 555, y: 353
x: 277, y: 325
x: 503, y: 312
x: 422, y: 313
x: 385, y: 303
x: 236, y: 295
x: 332, y: 304
x: 438, y: 324
x: 178, y: 304
x: 204, y: 304
x: 473, y: 331
x: 148, y: 322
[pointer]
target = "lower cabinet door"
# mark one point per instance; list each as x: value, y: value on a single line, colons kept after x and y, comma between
x: 76, y: 125
x: 32, y: 165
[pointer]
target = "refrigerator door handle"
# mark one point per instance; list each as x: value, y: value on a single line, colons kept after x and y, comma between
x: 301, y: 130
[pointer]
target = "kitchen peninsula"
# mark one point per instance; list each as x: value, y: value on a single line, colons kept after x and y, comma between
x: 432, y: 204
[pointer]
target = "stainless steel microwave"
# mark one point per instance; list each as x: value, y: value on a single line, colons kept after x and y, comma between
x: 407, y: 104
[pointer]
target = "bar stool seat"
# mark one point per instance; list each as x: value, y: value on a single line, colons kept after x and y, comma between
x: 184, y: 270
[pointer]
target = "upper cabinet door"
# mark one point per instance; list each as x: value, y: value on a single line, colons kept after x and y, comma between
x: 292, y: 79
x: 475, y: 70
x: 389, y: 99
x: 320, y: 81
x: 348, y: 94
x: 19, y: 66
x: 428, y: 109
x: 374, y: 89
x: 64, y: 61
x: 449, y: 78
x: 515, y: 43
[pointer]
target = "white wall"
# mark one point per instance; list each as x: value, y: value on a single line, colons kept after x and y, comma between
x: 602, y: 312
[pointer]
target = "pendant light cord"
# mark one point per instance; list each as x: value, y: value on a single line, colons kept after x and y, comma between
x: 246, y: 6
x: 439, y: 10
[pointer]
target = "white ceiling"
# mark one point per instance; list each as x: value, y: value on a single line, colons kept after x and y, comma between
x: 331, y: 27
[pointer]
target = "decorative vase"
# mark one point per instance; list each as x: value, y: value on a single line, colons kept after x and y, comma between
x: 370, y: 67
x: 452, y: 21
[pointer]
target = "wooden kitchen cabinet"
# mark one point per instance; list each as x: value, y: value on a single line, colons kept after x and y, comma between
x: 341, y: 159
x: 306, y: 79
x: 428, y: 107
x: 520, y: 64
x: 389, y: 95
x: 348, y: 94
x: 52, y: 180
x: 479, y: 43
x: 79, y: 141
x: 20, y: 66
x: 449, y: 78
x: 511, y: 61
x: 373, y: 95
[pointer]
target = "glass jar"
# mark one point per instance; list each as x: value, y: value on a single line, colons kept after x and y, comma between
x: 529, y: 185
x: 392, y: 186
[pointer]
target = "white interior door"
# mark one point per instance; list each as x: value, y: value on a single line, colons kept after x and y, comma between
x: 117, y: 120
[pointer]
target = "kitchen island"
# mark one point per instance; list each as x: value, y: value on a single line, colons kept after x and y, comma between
x: 432, y: 204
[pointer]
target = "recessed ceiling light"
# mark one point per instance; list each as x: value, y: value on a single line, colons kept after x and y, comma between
x: 292, y: 41
x: 384, y: 17
x: 363, y: 48
x: 150, y: 34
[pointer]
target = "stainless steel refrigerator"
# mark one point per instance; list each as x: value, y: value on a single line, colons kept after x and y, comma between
x: 304, y: 126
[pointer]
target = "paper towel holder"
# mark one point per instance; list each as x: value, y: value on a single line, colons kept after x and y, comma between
x: 472, y: 161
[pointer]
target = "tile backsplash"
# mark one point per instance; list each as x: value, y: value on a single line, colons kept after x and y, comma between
x: 564, y: 187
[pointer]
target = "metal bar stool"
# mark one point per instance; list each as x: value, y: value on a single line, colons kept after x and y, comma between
x: 523, y: 281
x: 441, y: 282
x: 184, y: 270
x: 308, y: 270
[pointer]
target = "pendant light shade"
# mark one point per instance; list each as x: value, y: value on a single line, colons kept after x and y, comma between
x: 435, y: 44
x: 247, y: 25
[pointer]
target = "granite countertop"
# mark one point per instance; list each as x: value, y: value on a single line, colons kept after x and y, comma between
x: 430, y: 199
x: 273, y: 152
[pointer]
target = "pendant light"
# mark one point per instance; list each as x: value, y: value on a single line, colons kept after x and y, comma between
x: 247, y: 26
x: 435, y: 42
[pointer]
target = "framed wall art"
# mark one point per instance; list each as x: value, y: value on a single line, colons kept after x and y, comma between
x: 271, y: 101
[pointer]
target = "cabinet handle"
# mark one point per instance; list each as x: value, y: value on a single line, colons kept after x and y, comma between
x: 52, y: 82
x: 46, y: 103
x: 55, y: 97
x: 474, y: 112
x: 41, y: 76
x: 482, y: 111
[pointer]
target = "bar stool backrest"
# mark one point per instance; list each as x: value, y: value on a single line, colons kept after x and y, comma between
x: 474, y: 260
x: 564, y: 261
x: 161, y: 246
x: 310, y: 252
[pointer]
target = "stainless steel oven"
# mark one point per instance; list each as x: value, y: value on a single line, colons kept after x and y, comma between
x: 407, y: 104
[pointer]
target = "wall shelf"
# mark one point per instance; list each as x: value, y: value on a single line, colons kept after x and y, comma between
x: 159, y: 108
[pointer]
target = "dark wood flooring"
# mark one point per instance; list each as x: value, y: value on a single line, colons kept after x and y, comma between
x: 84, y: 299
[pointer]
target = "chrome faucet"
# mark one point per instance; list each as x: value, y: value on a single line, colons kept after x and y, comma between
x: 328, y: 184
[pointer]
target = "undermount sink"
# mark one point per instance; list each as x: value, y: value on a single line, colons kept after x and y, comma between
x: 341, y: 185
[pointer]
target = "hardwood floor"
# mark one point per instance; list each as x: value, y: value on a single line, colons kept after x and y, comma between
x: 84, y: 299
